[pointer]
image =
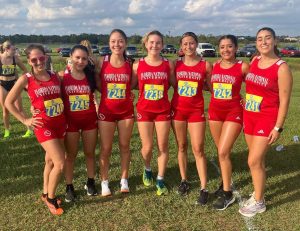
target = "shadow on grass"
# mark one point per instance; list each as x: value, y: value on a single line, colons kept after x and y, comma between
x: 282, y: 166
x: 22, y: 162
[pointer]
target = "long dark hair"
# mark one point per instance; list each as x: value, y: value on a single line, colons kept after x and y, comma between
x: 88, y: 70
x: 276, y: 51
x: 124, y: 36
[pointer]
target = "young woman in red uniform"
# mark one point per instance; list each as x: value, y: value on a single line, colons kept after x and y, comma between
x: 78, y: 84
x: 115, y: 109
x: 226, y: 112
x: 8, y: 76
x: 48, y: 122
x: 153, y: 74
x: 268, y: 90
x: 191, y: 72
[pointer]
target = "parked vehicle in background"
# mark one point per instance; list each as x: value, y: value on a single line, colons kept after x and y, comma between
x: 105, y: 50
x: 131, y: 51
x: 168, y: 49
x: 206, y: 50
x: 58, y: 49
x: 290, y: 51
x: 65, y: 52
x: 95, y: 49
x: 246, y: 51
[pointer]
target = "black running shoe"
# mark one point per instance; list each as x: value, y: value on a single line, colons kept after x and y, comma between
x: 219, y: 191
x: 224, y: 201
x: 203, y: 197
x: 91, y: 188
x: 70, y: 193
x: 183, y: 188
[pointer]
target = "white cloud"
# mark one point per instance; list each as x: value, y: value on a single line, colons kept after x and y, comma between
x: 129, y: 21
x: 200, y: 7
x: 106, y: 22
x: 240, y: 17
x: 9, y: 11
x: 37, y: 11
x: 140, y: 6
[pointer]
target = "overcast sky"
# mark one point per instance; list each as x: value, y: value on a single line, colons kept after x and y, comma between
x: 174, y: 17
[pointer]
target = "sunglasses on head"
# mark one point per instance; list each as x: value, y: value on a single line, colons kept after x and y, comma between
x: 41, y: 59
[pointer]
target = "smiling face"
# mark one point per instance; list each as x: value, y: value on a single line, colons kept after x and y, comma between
x: 154, y: 44
x: 265, y: 42
x: 188, y: 45
x: 37, y: 60
x: 117, y: 43
x: 227, y: 49
x: 79, y: 59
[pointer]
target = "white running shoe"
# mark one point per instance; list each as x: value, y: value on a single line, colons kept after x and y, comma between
x: 124, y: 186
x: 251, y: 207
x: 105, y: 191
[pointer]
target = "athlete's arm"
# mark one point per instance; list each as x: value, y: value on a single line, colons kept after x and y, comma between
x: 245, y: 69
x: 21, y: 64
x: 285, y: 82
x: 12, y: 96
x: 207, y: 84
x: 172, y: 74
x: 134, y: 79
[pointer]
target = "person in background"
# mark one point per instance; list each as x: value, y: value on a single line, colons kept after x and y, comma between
x: 153, y: 74
x: 268, y: 91
x: 115, y: 109
x: 48, y: 121
x: 8, y: 76
x: 78, y: 85
x: 226, y: 112
x: 191, y: 72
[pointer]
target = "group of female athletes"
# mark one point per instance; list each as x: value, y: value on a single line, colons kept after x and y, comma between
x: 63, y: 109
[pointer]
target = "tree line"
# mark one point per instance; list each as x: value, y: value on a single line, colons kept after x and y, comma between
x: 102, y: 39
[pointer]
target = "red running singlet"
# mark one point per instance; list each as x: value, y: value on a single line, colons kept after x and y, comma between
x: 115, y: 88
x: 153, y: 84
x: 262, y: 92
x: 45, y: 96
x: 188, y: 94
x: 77, y: 96
x: 226, y: 85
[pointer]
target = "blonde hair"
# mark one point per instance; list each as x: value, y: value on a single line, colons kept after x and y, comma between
x: 146, y: 37
x: 6, y: 45
x: 87, y: 44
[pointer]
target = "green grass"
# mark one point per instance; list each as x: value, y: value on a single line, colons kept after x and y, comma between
x: 22, y: 164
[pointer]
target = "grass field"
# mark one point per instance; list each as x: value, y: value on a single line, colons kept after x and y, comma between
x: 21, y: 166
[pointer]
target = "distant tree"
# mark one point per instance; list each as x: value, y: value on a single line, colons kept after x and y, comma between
x: 135, y: 39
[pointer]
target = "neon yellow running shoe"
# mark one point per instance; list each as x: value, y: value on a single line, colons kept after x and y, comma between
x: 6, y: 133
x: 161, y: 188
x: 28, y: 133
x: 147, y: 178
